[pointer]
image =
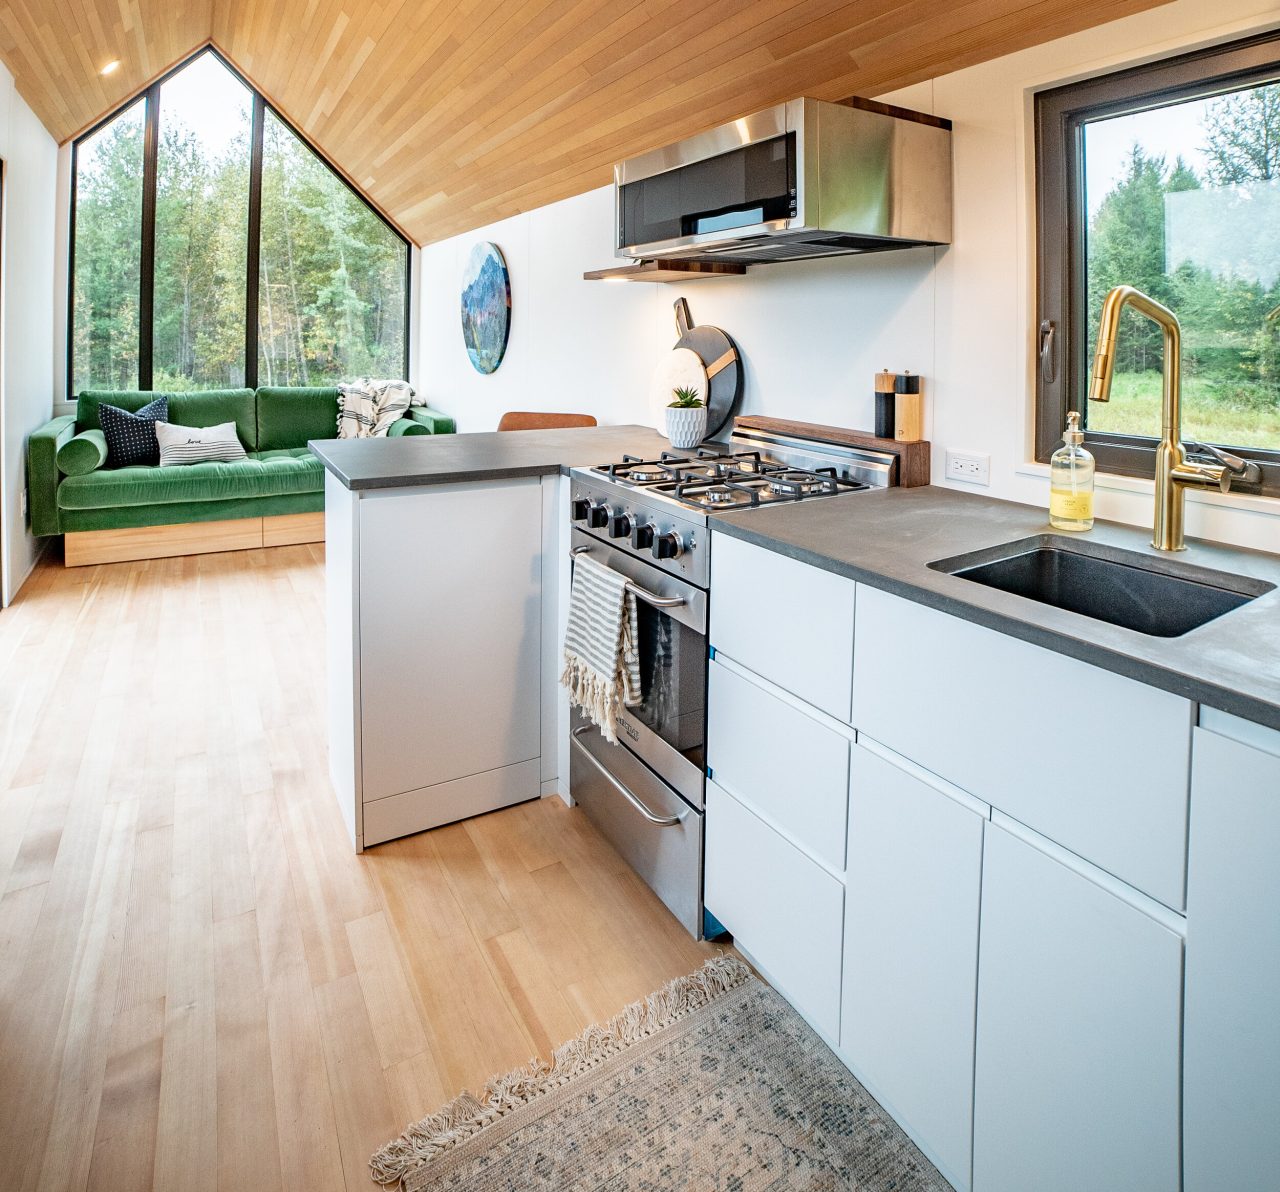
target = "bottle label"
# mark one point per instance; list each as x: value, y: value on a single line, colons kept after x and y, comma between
x: 1070, y: 506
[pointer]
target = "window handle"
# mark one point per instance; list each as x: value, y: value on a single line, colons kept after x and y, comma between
x: 1048, y: 352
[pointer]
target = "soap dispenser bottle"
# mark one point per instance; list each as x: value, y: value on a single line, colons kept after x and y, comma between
x: 1071, y: 480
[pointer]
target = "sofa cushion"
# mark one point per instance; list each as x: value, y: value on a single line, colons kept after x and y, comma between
x: 288, y: 417
x: 131, y: 436
x: 263, y: 474
x: 207, y: 407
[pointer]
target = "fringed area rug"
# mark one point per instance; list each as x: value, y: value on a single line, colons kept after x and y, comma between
x: 712, y: 1084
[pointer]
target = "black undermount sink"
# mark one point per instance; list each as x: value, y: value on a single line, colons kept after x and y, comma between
x: 1152, y: 596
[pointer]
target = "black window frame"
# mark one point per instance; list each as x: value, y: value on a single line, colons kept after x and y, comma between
x: 260, y: 105
x: 1062, y: 364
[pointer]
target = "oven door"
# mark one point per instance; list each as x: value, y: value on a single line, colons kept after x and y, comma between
x: 667, y: 729
x: 656, y: 831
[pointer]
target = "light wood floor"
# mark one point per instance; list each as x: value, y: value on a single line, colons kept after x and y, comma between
x: 201, y: 985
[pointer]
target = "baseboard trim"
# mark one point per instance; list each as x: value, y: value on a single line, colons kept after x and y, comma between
x: 84, y: 548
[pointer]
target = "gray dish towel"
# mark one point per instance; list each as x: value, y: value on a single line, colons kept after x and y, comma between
x: 601, y: 665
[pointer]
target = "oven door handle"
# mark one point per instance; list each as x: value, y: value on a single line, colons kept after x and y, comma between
x: 635, y: 589
x: 663, y: 821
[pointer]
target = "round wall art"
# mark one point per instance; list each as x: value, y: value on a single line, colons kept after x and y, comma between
x: 486, y: 306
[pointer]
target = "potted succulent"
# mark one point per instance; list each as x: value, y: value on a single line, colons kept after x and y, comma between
x: 686, y: 418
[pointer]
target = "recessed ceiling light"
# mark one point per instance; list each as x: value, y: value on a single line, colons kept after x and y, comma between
x: 111, y: 67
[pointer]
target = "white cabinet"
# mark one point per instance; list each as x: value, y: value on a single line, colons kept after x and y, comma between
x: 435, y: 643
x: 1231, y: 1092
x: 785, y: 911
x: 911, y: 953
x: 784, y: 764
x: 786, y: 621
x: 1078, y: 1038
x: 993, y: 715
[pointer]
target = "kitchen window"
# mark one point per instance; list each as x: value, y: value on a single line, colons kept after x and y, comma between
x: 212, y: 247
x: 1165, y: 177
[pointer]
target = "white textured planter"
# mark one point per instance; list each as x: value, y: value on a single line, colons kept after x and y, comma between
x: 686, y: 426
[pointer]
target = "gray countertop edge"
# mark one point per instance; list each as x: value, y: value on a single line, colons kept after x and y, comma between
x: 1225, y: 699
x: 426, y: 479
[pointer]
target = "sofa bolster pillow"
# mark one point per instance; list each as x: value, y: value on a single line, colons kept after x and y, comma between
x: 83, y: 453
x: 406, y: 426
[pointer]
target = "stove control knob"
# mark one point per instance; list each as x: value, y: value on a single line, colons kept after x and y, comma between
x: 641, y: 536
x: 579, y: 509
x: 598, y: 516
x: 666, y: 546
x: 620, y: 524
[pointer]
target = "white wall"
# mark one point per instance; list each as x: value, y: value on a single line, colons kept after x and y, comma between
x: 27, y: 315
x: 813, y: 334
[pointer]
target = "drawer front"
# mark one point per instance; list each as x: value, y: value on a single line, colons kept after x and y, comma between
x: 782, y: 763
x: 1231, y: 1073
x: 998, y: 717
x: 1079, y: 1009
x: 783, y: 909
x: 785, y: 620
x: 911, y: 954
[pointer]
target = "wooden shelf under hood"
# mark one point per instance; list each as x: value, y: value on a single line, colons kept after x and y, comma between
x: 667, y: 271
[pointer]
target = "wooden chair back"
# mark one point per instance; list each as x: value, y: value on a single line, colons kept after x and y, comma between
x: 528, y: 420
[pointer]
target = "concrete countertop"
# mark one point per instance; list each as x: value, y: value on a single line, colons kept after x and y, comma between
x: 887, y: 539
x: 414, y: 460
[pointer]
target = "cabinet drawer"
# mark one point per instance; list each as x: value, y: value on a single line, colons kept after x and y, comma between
x: 785, y: 620
x: 911, y: 954
x: 1079, y: 1014
x: 1231, y: 1074
x: 783, y: 909
x: 784, y: 764
x: 1004, y: 732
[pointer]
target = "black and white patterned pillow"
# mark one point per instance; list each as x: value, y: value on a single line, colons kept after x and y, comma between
x: 131, y: 438
x: 196, y: 444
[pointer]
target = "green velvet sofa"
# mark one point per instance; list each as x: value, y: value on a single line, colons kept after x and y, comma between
x: 142, y: 512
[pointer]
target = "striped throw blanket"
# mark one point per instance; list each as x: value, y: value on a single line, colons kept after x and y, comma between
x: 601, y: 662
x: 367, y: 407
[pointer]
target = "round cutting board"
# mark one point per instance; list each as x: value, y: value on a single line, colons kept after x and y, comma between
x: 723, y: 364
x: 681, y: 368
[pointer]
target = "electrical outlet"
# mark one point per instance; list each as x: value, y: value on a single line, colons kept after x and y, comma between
x: 969, y: 467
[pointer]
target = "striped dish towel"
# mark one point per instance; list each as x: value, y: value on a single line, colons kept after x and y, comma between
x: 601, y: 665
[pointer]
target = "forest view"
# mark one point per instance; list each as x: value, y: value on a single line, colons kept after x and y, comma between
x: 332, y: 276
x: 1184, y: 204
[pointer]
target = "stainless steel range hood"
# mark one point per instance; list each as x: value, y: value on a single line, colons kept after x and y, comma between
x: 801, y: 179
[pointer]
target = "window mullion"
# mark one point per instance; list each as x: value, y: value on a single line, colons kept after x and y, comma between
x: 251, y: 300
x: 147, y: 254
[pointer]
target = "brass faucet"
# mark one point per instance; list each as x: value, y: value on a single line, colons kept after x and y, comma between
x: 1174, y: 471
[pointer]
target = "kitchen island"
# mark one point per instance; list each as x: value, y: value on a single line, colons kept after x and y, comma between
x: 446, y: 586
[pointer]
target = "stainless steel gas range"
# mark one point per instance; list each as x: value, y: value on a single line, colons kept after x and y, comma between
x: 649, y: 519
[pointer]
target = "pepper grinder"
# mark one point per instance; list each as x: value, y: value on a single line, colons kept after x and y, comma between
x: 885, y: 405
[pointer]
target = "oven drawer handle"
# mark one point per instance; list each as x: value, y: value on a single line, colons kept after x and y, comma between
x: 636, y: 590
x: 663, y: 821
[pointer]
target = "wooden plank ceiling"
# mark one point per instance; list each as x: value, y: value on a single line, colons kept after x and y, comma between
x: 454, y: 113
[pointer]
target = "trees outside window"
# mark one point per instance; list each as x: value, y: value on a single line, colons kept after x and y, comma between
x: 107, y: 247
x: 1165, y: 177
x: 330, y: 279
x: 181, y: 280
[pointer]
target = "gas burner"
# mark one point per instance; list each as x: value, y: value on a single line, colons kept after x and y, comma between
x: 718, y: 495
x: 799, y: 484
x: 647, y: 473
